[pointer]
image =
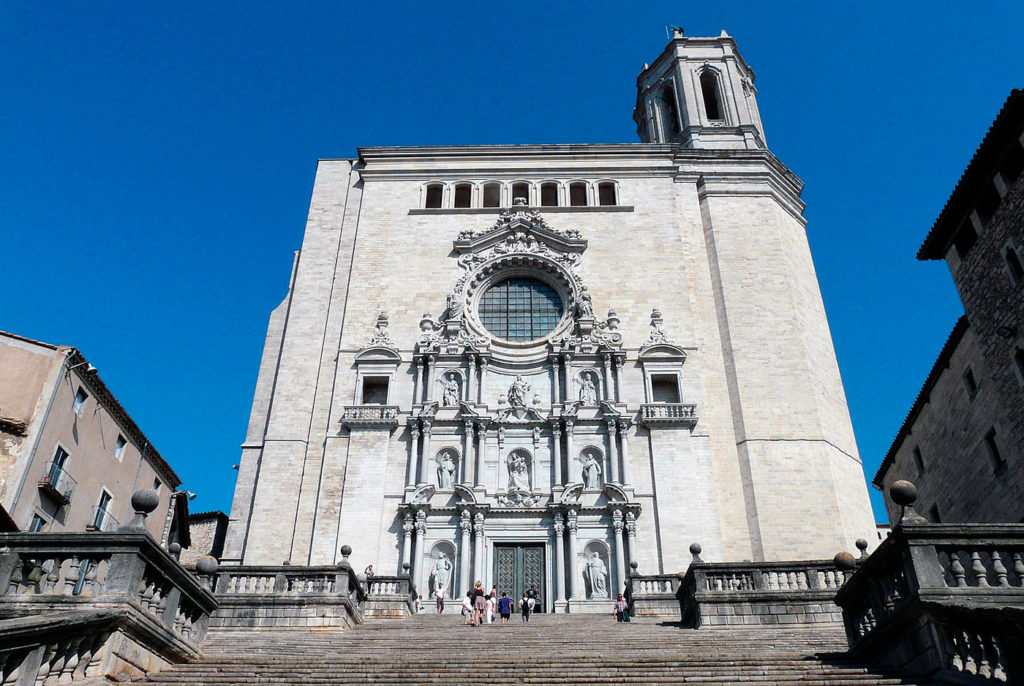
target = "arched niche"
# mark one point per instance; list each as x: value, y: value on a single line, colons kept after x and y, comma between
x: 451, y: 386
x: 588, y: 387
x: 440, y: 567
x: 446, y: 468
x: 592, y: 467
x: 596, y: 570
x: 519, y: 467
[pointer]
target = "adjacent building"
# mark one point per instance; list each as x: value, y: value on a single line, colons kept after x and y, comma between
x: 963, y: 442
x: 535, y: 364
x: 70, y: 455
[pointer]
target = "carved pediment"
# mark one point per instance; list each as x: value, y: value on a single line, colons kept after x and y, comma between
x: 571, y: 494
x: 615, y: 494
x: 520, y: 230
x: 378, y: 355
x: 519, y: 415
x: 465, y: 494
x: 421, y: 495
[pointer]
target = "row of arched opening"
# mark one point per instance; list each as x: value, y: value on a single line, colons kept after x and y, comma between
x: 465, y: 194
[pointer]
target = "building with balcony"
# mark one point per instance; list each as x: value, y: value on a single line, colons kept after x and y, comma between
x: 536, y: 364
x: 70, y: 455
x: 962, y: 443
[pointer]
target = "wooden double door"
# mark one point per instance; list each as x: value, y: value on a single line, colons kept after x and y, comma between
x: 517, y: 567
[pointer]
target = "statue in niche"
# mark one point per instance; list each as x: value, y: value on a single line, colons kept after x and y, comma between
x: 596, y: 576
x: 518, y: 473
x: 585, y: 306
x: 446, y: 472
x: 588, y: 390
x: 441, y: 574
x: 518, y: 391
x: 454, y: 306
x: 591, y: 471
x: 450, y: 390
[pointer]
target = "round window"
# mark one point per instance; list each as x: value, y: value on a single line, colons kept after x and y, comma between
x: 520, y: 309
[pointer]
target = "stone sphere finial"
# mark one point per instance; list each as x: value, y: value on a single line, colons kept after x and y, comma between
x: 405, y: 566
x: 634, y: 564
x: 207, y: 565
x: 346, y: 550
x: 143, y: 502
x: 695, y: 550
x: 904, y: 494
x: 175, y: 550
x: 845, y: 561
x: 862, y: 546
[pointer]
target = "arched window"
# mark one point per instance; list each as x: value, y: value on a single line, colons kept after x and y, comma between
x: 669, y: 114
x: 578, y: 194
x: 606, y: 193
x: 521, y: 189
x: 435, y: 192
x: 709, y: 89
x: 492, y: 194
x: 1013, y: 264
x: 549, y: 194
x: 520, y: 309
x: 463, y: 195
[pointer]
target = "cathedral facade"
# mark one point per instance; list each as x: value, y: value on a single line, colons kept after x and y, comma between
x: 533, y: 365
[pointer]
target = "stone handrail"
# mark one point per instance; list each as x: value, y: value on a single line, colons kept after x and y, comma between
x: 668, y: 414
x: 941, y: 598
x: 62, y: 575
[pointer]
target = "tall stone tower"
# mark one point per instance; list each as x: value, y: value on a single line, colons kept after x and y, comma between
x: 535, y: 364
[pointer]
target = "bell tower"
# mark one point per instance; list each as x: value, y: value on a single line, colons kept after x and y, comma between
x: 699, y: 93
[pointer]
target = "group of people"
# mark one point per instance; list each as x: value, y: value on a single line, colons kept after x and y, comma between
x: 479, y: 607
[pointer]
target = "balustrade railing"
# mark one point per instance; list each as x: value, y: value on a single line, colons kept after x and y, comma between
x: 682, y: 414
x: 285, y: 579
x: 382, y: 416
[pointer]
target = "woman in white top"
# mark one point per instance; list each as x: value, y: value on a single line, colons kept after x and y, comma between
x: 467, y: 608
x: 490, y: 609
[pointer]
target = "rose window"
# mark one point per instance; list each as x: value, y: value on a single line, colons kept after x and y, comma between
x: 520, y: 309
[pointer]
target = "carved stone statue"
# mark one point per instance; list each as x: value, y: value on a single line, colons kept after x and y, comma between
x: 454, y: 306
x: 441, y: 575
x: 450, y: 390
x: 597, y: 576
x: 591, y: 471
x: 518, y: 473
x: 588, y: 391
x: 585, y: 307
x: 518, y: 391
x: 446, y: 472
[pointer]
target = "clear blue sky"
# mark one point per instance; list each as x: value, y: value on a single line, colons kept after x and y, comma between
x: 156, y: 163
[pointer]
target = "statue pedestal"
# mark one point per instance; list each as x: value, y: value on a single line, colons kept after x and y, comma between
x: 581, y: 606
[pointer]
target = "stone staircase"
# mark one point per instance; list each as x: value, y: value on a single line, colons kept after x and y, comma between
x: 551, y: 649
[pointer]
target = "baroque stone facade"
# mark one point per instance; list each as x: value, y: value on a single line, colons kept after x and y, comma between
x: 629, y: 354
x: 962, y: 443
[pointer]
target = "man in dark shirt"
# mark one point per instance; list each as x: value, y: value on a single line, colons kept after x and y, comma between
x: 533, y: 595
x: 505, y: 608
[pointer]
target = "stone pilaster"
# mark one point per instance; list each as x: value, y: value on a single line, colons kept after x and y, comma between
x: 574, y: 571
x: 620, y: 552
x: 613, y: 452
x: 425, y: 452
x: 468, y: 467
x: 407, y: 527
x: 556, y: 453
x: 417, y: 556
x: 559, y: 528
x: 465, y: 553
x: 414, y: 445
x: 631, y: 536
x: 478, y: 548
x: 624, y: 437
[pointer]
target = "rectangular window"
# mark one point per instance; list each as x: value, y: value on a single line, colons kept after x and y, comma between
x: 60, y: 458
x: 80, y: 398
x: 99, y: 517
x: 37, y: 525
x: 375, y: 390
x: 918, y: 459
x: 970, y: 384
x: 665, y: 388
x: 119, y: 448
x: 993, y: 449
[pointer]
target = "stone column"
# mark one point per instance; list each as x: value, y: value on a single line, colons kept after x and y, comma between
x: 425, y: 452
x: 624, y: 436
x: 466, y: 553
x: 481, y: 446
x: 417, y: 372
x: 559, y: 557
x: 607, y: 379
x: 478, y: 548
x: 483, y: 380
x: 407, y: 527
x: 617, y: 362
x: 570, y: 453
x: 556, y: 386
x: 620, y: 551
x: 468, y: 470
x: 613, y: 453
x: 498, y: 481
x: 431, y: 376
x: 410, y: 470
x: 556, y: 454
x: 421, y: 381
x: 469, y: 395
x: 574, y: 572
x: 417, y: 553
x: 631, y: 537
x: 561, y: 364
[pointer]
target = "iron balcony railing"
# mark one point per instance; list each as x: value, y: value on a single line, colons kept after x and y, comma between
x: 57, y: 483
x: 102, y: 520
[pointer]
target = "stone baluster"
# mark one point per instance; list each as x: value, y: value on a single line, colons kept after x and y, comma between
x: 1002, y: 576
x: 617, y: 362
x: 559, y: 528
x: 570, y: 452
x: 624, y: 437
x: 478, y: 548
x: 465, y: 554
x: 556, y: 453
x: 613, y: 452
x: 573, y: 562
x: 431, y: 376
x: 414, y: 449
x: 407, y: 527
x: 631, y: 537
x: 483, y: 380
x: 468, y: 468
x: 556, y: 384
x: 417, y: 555
x: 481, y: 446
x: 424, y: 452
x: 620, y: 551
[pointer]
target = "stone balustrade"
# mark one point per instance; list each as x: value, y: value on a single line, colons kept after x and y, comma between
x: 390, y: 597
x: 654, y: 594
x: 113, y: 604
x: 668, y: 414
x: 370, y: 416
